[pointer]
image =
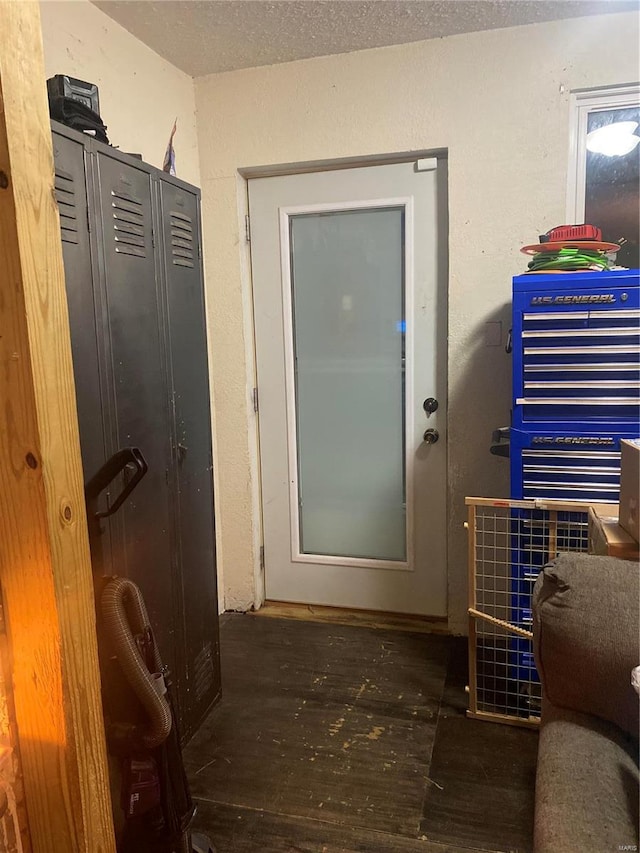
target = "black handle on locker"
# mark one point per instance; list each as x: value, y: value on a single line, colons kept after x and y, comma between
x: 430, y: 405
x: 129, y: 456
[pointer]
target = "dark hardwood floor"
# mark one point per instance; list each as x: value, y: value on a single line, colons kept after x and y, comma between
x: 337, y: 739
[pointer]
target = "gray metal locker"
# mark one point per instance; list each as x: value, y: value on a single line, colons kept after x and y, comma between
x: 142, y: 547
x: 178, y: 209
x: 135, y: 292
x: 73, y: 188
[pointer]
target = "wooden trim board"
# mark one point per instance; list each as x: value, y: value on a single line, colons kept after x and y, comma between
x: 505, y: 719
x: 45, y: 569
x: 471, y: 593
x: 538, y: 503
x: 343, y: 616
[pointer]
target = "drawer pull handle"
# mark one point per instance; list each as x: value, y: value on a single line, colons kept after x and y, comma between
x: 606, y: 383
x: 623, y: 349
x: 578, y: 455
x: 616, y: 331
x: 594, y: 470
x: 578, y: 401
x: 623, y: 314
x: 613, y: 366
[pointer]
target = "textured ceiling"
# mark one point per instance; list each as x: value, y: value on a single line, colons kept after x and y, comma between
x: 207, y: 36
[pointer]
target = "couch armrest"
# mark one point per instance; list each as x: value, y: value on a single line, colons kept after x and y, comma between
x: 586, y: 617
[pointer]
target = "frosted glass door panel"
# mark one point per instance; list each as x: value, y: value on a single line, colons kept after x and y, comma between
x: 347, y: 281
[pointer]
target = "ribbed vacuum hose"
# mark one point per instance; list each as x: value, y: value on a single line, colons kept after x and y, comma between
x: 121, y: 628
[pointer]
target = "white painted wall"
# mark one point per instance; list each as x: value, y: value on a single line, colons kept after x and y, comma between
x: 499, y: 102
x: 140, y: 93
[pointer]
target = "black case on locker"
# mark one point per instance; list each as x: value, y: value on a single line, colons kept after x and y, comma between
x: 133, y: 265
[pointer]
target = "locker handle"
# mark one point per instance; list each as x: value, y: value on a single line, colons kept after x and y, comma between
x: 109, y: 471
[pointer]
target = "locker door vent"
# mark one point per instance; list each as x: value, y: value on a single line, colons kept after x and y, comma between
x: 65, y: 194
x: 203, y: 672
x: 181, y: 239
x: 128, y: 225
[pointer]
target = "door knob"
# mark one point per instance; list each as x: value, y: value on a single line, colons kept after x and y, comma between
x: 430, y: 405
x: 431, y: 436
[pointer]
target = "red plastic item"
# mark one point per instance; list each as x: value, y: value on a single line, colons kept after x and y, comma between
x: 592, y: 245
x: 571, y: 232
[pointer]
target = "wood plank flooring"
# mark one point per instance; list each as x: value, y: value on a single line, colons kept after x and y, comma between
x: 335, y: 738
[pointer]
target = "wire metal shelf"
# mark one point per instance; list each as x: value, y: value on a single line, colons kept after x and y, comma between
x: 510, y: 542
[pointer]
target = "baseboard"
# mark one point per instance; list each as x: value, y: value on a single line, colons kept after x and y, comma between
x: 345, y: 616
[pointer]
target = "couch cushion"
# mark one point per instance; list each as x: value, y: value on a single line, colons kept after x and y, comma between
x: 586, y: 613
x: 586, y: 785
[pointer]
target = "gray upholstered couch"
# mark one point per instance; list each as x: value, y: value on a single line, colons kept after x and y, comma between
x: 586, y: 640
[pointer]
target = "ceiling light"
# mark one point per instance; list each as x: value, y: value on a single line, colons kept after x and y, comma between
x: 613, y: 140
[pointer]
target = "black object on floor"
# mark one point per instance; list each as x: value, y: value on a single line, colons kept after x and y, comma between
x: 485, y: 774
x: 333, y: 738
x: 201, y: 844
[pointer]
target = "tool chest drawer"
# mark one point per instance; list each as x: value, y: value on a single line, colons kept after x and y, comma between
x: 566, y: 465
x: 576, y: 350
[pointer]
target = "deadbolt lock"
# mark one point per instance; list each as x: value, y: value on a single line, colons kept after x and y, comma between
x: 431, y: 436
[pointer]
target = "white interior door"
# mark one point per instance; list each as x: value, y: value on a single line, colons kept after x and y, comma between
x: 351, y: 340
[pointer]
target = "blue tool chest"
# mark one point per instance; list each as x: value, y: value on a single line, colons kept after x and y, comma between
x: 576, y: 394
x: 576, y: 347
x: 576, y: 383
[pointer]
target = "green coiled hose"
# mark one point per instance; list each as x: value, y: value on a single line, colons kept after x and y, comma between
x: 569, y: 260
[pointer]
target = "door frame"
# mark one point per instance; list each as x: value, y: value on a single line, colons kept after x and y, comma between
x: 244, y: 174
